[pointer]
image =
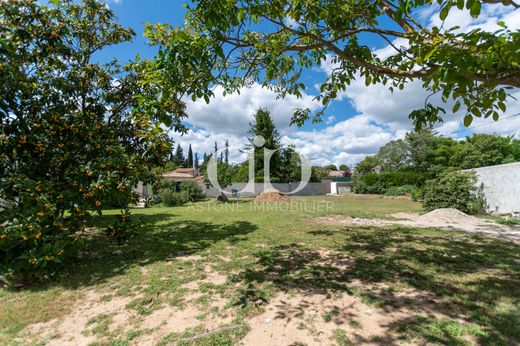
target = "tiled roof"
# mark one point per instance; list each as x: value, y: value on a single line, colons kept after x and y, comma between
x: 183, y: 173
x: 175, y: 174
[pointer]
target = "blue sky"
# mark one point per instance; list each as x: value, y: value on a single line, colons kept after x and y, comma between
x: 355, y: 125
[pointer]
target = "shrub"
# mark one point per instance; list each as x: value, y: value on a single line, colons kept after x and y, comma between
x: 171, y: 198
x: 173, y: 193
x: 454, y: 189
x: 192, y: 189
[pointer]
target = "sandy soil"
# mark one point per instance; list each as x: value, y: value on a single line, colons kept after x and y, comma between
x: 272, y: 196
x: 441, y: 218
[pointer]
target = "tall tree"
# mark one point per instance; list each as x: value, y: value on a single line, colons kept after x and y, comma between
x: 272, y: 42
x: 189, y: 159
x: 180, y: 160
x: 226, y: 152
x: 264, y: 126
x: 76, y: 135
x: 394, y: 155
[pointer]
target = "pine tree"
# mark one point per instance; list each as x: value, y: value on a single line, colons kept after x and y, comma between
x: 189, y: 159
x: 179, y: 156
x: 263, y: 125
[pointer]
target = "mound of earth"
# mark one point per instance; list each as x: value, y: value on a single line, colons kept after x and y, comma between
x: 272, y: 195
x: 448, y: 216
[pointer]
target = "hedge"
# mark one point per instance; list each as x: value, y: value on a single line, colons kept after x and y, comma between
x: 379, y: 183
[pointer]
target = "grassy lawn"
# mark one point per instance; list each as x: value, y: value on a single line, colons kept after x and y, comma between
x: 213, y: 274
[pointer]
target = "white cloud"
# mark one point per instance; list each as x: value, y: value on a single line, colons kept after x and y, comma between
x: 487, y: 20
x: 231, y: 114
x: 347, y: 141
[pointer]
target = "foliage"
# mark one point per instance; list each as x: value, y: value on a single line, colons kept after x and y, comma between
x: 173, y: 198
x: 173, y: 193
x: 189, y: 159
x: 318, y: 173
x: 225, y: 173
x: 367, y: 165
x: 75, y: 135
x: 379, y: 183
x: 394, y: 155
x: 178, y: 157
x: 264, y: 126
x: 400, y: 190
x: 235, y: 43
x: 290, y: 169
x: 453, y: 189
x: 192, y: 189
x: 331, y: 167
x: 486, y: 150
x: 426, y: 151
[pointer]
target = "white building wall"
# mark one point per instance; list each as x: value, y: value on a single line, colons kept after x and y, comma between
x: 501, y: 187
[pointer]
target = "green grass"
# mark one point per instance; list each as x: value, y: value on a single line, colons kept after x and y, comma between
x: 263, y: 252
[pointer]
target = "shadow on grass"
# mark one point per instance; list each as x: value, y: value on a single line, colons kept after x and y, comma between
x: 159, y: 239
x: 462, y: 277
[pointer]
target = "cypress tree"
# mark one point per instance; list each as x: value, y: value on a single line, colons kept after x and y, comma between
x: 189, y: 159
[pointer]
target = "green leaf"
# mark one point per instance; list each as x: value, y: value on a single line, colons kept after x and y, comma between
x: 468, y: 119
x: 475, y: 9
x: 444, y: 12
x: 240, y: 15
x: 220, y: 52
x: 456, y: 107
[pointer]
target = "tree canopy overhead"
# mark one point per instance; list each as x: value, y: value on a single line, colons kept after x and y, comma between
x: 234, y: 43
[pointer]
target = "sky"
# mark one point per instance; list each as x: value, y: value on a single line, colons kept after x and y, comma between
x: 356, y: 124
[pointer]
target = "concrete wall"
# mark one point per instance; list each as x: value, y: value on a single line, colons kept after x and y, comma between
x: 501, y: 187
x: 312, y: 189
x: 339, y: 188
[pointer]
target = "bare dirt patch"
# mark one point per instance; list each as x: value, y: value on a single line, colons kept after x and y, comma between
x: 73, y: 329
x: 447, y: 218
x: 313, y: 319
